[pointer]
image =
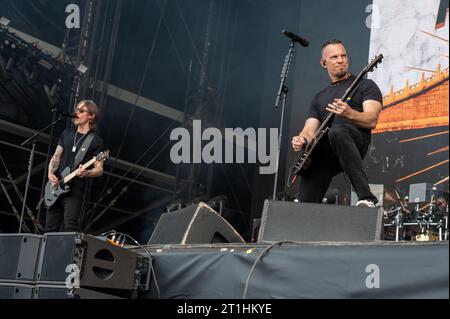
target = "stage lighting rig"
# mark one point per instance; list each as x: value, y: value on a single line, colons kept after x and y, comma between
x: 46, y: 68
x: 39, y: 68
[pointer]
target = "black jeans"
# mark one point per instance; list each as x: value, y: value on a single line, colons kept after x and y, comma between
x: 65, y: 212
x: 343, y: 150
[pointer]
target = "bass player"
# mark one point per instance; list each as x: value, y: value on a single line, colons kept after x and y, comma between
x: 349, y: 135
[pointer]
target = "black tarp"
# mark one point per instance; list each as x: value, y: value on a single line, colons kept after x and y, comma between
x: 303, y: 270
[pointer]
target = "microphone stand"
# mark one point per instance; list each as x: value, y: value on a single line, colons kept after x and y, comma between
x: 282, y: 95
x: 44, y: 178
x: 32, y: 140
x: 16, y: 213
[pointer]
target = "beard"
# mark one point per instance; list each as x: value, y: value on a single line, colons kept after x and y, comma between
x: 341, y: 74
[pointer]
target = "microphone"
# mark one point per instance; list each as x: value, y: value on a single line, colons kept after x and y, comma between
x: 296, y: 38
x: 65, y: 114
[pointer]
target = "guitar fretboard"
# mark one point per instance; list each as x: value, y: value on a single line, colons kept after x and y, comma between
x: 69, y: 177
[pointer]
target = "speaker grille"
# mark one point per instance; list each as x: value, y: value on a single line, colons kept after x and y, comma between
x: 18, y: 257
x: 316, y: 222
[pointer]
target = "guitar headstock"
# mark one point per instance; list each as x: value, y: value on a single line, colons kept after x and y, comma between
x: 374, y: 63
x: 102, y: 156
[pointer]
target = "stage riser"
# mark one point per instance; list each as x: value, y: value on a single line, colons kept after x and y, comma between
x: 312, y: 271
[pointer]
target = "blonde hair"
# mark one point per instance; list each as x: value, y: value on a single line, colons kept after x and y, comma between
x: 92, y: 109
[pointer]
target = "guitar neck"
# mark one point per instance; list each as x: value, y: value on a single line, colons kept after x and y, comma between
x: 69, y: 177
x: 347, y: 94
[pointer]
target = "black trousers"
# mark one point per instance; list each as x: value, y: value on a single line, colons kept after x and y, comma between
x: 64, y: 214
x: 343, y: 150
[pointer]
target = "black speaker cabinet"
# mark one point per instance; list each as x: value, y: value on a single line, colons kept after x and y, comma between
x: 16, y: 291
x: 198, y: 224
x: 291, y: 221
x: 62, y: 292
x: 18, y: 257
x: 100, y: 264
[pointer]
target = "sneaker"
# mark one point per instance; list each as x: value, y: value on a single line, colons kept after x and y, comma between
x: 365, y: 203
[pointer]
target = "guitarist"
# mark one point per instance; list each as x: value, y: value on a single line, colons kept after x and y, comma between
x: 350, y: 131
x: 68, y: 207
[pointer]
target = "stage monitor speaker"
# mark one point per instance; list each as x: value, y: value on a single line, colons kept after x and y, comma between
x: 290, y: 221
x: 100, y: 264
x: 198, y: 224
x: 18, y: 257
x: 376, y: 189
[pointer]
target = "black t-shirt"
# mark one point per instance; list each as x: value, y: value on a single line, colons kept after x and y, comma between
x: 367, y: 90
x: 70, y: 138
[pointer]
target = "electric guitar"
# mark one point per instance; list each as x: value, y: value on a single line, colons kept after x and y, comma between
x: 303, y: 160
x: 53, y: 192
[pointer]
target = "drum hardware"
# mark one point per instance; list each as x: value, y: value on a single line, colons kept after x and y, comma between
x: 446, y: 227
x: 396, y: 219
x: 440, y: 229
x: 398, y: 222
x: 426, y: 222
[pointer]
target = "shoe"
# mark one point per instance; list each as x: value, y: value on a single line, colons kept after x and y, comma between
x: 365, y: 203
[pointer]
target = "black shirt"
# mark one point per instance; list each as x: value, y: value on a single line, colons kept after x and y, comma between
x: 70, y: 138
x: 367, y: 90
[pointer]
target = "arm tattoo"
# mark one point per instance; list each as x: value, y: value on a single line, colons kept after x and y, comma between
x: 54, y: 164
x: 56, y: 159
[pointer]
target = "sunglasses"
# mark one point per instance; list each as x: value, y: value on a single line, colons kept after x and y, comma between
x: 81, y: 111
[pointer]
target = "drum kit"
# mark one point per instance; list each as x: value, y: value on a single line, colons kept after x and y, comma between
x: 411, y: 221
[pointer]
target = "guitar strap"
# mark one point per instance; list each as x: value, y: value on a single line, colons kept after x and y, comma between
x: 83, y: 150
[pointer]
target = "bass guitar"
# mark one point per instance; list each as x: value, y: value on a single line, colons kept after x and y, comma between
x: 53, y: 192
